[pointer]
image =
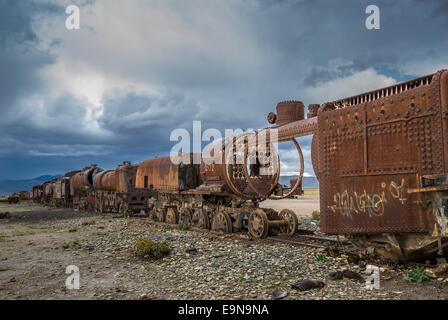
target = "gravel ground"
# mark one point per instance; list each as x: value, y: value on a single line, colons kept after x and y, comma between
x: 34, y: 253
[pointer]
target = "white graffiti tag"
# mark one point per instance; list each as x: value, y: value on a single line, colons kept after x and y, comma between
x: 397, y: 191
x: 371, y: 204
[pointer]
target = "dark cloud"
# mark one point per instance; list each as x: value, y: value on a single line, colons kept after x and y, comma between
x: 20, y: 60
x: 224, y: 63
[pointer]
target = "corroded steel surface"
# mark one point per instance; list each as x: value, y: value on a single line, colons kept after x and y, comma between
x: 231, y: 174
x: 125, y: 177
x: 162, y: 174
x: 83, y: 180
x: 299, y: 190
x: 48, y: 188
x: 105, y: 181
x: 375, y: 146
x: 312, y: 110
x: 315, y: 155
x: 24, y: 195
x: 122, y: 179
x: 289, y: 111
x: 37, y: 192
x: 292, y: 130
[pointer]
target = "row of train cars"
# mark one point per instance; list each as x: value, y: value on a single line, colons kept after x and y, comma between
x: 165, y: 192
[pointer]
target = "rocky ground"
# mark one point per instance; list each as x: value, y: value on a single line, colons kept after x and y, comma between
x: 37, y: 244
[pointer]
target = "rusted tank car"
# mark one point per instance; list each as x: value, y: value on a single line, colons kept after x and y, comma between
x: 381, y: 158
x: 61, y: 190
x: 116, y: 191
x: 81, y: 188
x: 48, y: 191
x: 37, y: 193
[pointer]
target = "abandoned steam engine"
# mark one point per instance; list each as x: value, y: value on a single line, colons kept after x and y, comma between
x: 381, y: 158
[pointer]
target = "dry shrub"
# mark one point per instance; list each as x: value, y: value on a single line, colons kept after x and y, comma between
x: 148, y: 249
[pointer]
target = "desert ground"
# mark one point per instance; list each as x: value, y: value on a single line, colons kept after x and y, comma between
x: 38, y: 243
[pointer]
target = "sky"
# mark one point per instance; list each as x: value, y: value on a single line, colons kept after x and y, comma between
x: 115, y: 89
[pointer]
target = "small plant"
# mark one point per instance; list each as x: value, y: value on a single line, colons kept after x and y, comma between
x: 315, y: 215
x: 418, y: 275
x: 72, y: 230
x: 321, y: 258
x: 148, y: 249
x: 88, y: 223
x: 181, y: 227
x: 168, y: 227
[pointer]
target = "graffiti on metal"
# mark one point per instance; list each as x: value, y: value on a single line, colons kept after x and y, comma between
x: 372, y: 204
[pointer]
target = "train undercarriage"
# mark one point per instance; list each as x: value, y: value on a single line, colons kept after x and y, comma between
x: 222, y: 213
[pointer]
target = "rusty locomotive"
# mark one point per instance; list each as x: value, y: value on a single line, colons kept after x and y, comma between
x: 381, y: 158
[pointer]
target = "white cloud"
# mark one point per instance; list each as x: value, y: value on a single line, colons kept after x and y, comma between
x: 357, y: 83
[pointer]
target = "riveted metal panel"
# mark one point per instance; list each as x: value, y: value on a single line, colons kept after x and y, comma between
x: 372, y: 148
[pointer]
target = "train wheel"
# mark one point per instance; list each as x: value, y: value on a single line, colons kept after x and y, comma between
x: 200, y: 220
x: 291, y: 217
x: 258, y: 224
x: 222, y: 222
x: 171, y: 215
x: 123, y: 208
x: 185, y: 217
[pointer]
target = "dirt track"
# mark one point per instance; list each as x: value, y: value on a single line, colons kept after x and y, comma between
x: 37, y: 244
x: 302, y: 206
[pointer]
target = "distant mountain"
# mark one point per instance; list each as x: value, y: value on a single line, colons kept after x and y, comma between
x: 10, y: 186
x: 307, y: 182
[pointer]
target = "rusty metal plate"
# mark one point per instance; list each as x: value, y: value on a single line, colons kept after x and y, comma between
x: 372, y: 148
x: 162, y: 174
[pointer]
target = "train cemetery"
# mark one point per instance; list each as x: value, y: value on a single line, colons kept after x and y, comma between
x: 38, y: 243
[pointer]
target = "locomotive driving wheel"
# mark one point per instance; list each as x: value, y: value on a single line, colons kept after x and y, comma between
x: 258, y: 224
x: 200, y: 219
x: 171, y: 215
x: 222, y: 222
x: 123, y: 208
x: 185, y: 216
x: 291, y: 217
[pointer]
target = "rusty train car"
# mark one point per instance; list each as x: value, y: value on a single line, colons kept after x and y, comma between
x: 212, y: 196
x: 116, y: 190
x: 381, y: 158
x: 382, y: 166
x: 93, y: 189
x: 36, y: 193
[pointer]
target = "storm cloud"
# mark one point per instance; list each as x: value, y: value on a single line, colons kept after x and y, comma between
x: 136, y: 70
